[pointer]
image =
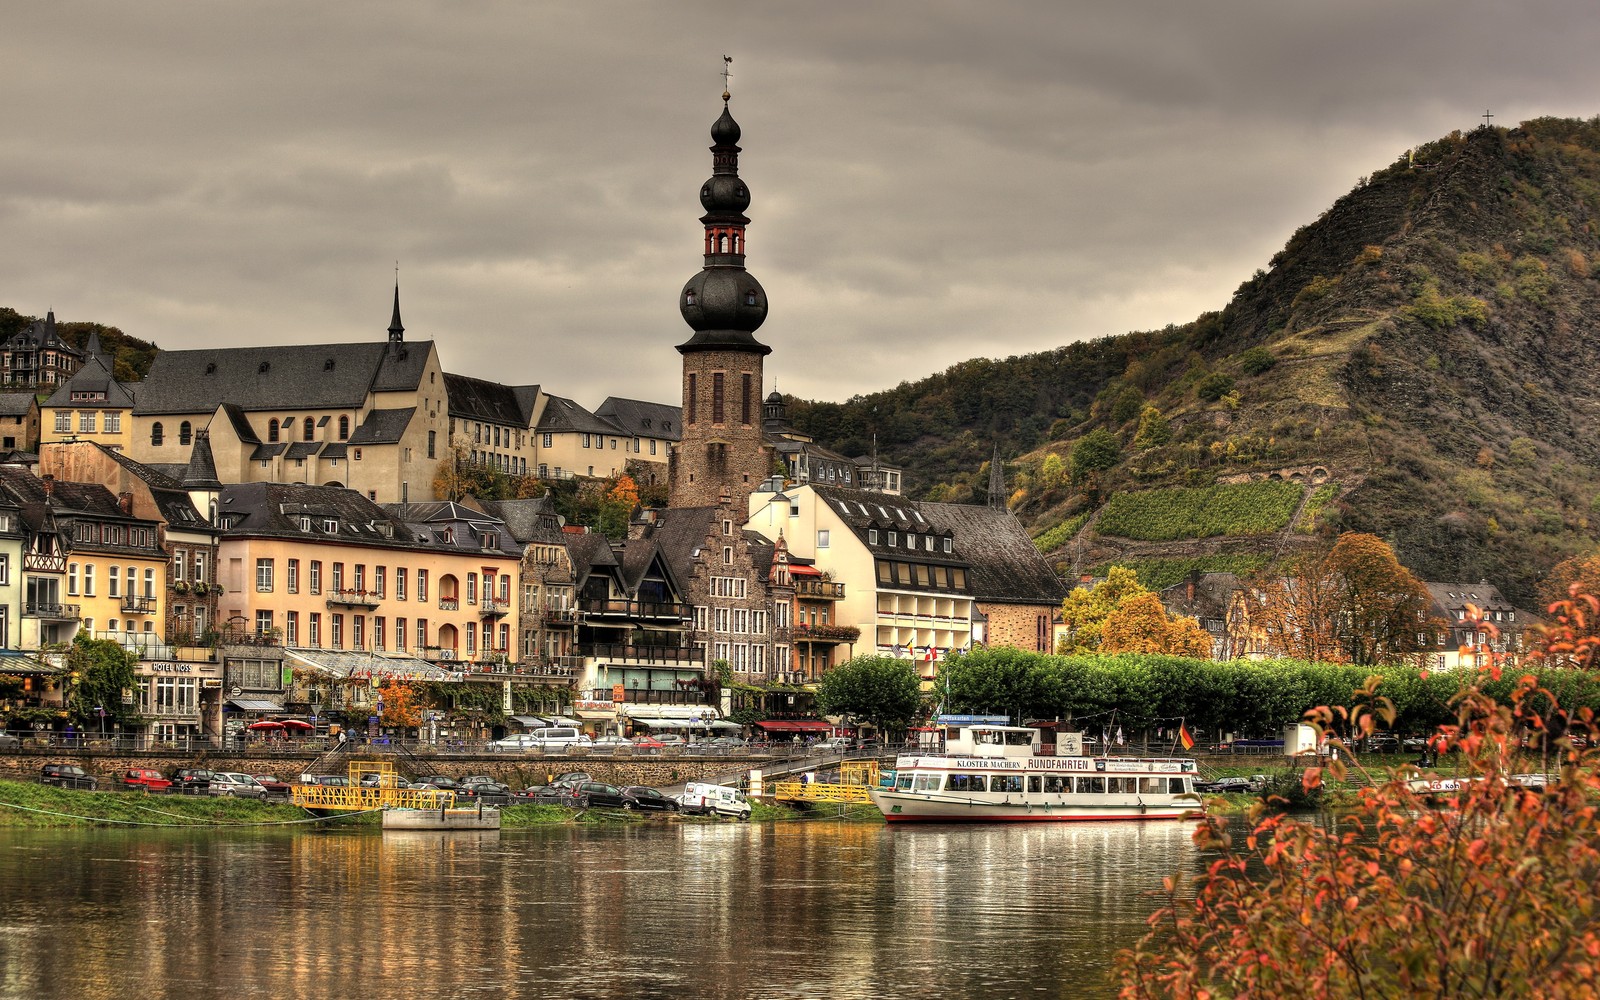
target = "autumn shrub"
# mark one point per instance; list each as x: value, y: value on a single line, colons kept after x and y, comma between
x: 1479, y: 883
x: 1256, y: 360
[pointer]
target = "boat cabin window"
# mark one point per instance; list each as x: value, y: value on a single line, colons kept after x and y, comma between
x: 1057, y: 783
x: 1092, y: 786
x: 902, y: 781
x: 966, y: 783
x: 1005, y: 783
x: 1152, y: 786
x: 1175, y: 786
x: 1003, y: 737
x: 927, y: 783
x: 1035, y: 783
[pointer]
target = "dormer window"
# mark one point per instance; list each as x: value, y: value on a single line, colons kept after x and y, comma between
x: 305, y: 524
x: 330, y: 525
x: 894, y: 538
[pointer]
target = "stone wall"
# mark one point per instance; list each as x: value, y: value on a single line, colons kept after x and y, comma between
x: 516, y: 770
x: 1019, y: 625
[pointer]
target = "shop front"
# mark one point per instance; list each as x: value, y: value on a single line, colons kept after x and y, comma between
x: 181, y: 700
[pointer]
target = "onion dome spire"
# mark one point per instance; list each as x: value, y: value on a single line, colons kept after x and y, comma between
x: 724, y: 304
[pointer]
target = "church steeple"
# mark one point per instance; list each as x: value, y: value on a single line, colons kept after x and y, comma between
x: 721, y: 450
x: 396, y: 330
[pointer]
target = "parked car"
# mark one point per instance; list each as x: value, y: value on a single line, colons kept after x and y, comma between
x: 236, y: 784
x: 1383, y: 743
x: 439, y: 781
x: 191, y: 780
x: 9, y: 742
x: 668, y: 739
x: 699, y: 797
x: 146, y: 779
x: 491, y: 792
x: 567, y: 779
x: 729, y: 743
x: 646, y: 742
x: 833, y: 744
x: 645, y: 797
x: 273, y: 785
x: 67, y: 776
x: 325, y: 780
x: 610, y: 741
x: 599, y: 795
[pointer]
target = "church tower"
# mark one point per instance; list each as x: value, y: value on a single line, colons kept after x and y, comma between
x: 721, y: 450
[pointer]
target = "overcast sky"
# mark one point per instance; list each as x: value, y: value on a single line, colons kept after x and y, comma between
x: 931, y: 181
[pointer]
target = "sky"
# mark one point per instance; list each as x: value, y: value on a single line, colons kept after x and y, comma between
x: 931, y: 181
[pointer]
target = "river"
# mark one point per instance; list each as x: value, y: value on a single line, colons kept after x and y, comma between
x: 799, y: 909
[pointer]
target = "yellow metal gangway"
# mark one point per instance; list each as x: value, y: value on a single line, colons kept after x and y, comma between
x: 855, y: 777
x: 356, y: 797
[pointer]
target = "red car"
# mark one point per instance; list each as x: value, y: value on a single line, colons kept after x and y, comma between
x: 273, y: 785
x: 135, y: 778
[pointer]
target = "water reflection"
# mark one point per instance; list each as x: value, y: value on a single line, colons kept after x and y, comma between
x: 716, y: 910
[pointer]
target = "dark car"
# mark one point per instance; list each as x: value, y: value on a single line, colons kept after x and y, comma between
x: 550, y: 795
x: 1383, y: 743
x: 67, y: 776
x: 599, y: 795
x: 491, y: 792
x: 568, y: 779
x: 191, y: 781
x: 439, y: 781
x: 645, y: 797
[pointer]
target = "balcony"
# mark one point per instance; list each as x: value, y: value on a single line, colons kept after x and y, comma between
x: 627, y: 652
x: 449, y: 604
x: 619, y: 607
x: 651, y: 696
x: 559, y: 616
x: 829, y: 635
x: 139, y: 605
x: 823, y: 590
x: 353, y: 598
x: 51, y: 612
x: 490, y: 608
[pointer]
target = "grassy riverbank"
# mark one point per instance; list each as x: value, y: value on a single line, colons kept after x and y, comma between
x: 43, y: 806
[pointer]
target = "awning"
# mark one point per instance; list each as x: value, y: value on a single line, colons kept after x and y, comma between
x: 663, y: 723
x: 529, y: 721
x: 800, y: 569
x: 591, y: 716
x: 246, y: 705
x: 794, y: 725
x: 562, y: 720
x: 647, y: 712
x: 19, y: 663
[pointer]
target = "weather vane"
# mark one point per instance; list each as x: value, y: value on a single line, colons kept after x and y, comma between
x: 727, y: 74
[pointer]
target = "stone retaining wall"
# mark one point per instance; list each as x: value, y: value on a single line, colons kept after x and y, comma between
x: 518, y: 771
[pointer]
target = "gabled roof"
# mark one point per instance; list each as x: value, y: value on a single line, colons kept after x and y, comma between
x: 305, y: 377
x: 17, y: 404
x: 92, y: 377
x: 478, y: 399
x: 528, y: 520
x: 38, y: 335
x: 240, y: 423
x: 1001, y: 561
x: 642, y: 419
x: 170, y: 496
x: 562, y: 415
x: 1454, y: 597
x: 383, y: 426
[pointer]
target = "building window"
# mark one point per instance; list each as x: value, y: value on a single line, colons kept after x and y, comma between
x: 358, y: 628
x: 717, y: 380
x: 264, y: 576
x: 291, y: 628
x: 344, y: 427
x: 199, y: 566
x: 155, y: 434
x: 315, y: 579
x: 400, y: 633
x: 338, y: 577
x: 88, y: 579
x: 314, y: 629
x: 546, y: 441
x: 291, y: 579
x: 149, y: 582
x: 431, y: 437
x: 422, y: 631
x: 72, y: 579
x: 336, y: 630
x: 744, y: 405
x: 114, y: 422
x: 263, y: 623
x: 822, y: 538
x: 272, y: 430
x: 64, y: 422
x: 422, y: 585
x: 400, y: 583
x: 377, y: 633
x: 693, y: 397
x: 86, y: 422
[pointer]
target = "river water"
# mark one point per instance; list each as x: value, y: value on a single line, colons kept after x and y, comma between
x: 801, y: 909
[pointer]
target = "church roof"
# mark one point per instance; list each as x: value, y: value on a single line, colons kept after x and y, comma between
x: 307, y: 376
x: 478, y: 399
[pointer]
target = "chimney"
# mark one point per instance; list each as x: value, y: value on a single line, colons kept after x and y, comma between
x: 125, y: 502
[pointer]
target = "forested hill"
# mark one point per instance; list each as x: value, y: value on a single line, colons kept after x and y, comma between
x: 1417, y: 360
x: 132, y: 355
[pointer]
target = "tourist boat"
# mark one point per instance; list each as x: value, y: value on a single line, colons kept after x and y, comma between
x: 997, y: 774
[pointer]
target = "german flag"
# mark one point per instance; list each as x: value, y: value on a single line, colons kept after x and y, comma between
x: 1184, y: 737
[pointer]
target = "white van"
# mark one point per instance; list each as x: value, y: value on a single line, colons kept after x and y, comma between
x: 699, y: 797
x: 551, y: 737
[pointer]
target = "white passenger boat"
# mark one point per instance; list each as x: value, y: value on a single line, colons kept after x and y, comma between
x: 997, y: 774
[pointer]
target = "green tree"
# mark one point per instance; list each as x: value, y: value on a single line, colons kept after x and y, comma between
x: 1095, y: 452
x: 100, y: 672
x: 881, y: 689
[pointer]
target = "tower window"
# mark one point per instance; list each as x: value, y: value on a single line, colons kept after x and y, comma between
x: 692, y: 395
x: 688, y: 298
x: 750, y: 298
x: 716, y: 397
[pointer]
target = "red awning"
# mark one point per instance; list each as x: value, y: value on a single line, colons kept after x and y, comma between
x: 796, y: 569
x: 794, y: 725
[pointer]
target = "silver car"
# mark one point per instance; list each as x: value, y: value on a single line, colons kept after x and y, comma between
x: 235, y: 784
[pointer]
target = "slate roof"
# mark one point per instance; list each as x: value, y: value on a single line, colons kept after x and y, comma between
x: 306, y: 376
x: 16, y: 404
x: 1001, y: 561
x: 642, y: 419
x: 588, y: 552
x: 465, y: 526
x: 271, y: 510
x: 201, y: 472
x: 239, y: 421
x: 41, y: 333
x: 92, y: 376
x: 478, y: 399
x: 528, y: 520
x: 383, y: 426
x: 170, y: 496
x: 562, y: 415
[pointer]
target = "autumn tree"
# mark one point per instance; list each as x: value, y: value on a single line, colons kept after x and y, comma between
x: 1484, y: 888
x: 1582, y: 570
x: 1141, y: 624
x: 401, y: 707
x: 1154, y: 430
x: 457, y: 476
x: 1381, y: 605
x: 1085, y: 610
x: 1294, y: 612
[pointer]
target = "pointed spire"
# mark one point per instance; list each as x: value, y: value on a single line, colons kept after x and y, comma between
x: 92, y: 348
x: 201, y: 473
x: 997, y: 481
x: 396, y: 330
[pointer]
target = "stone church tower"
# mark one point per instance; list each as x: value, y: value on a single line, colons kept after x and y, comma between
x: 721, y: 451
